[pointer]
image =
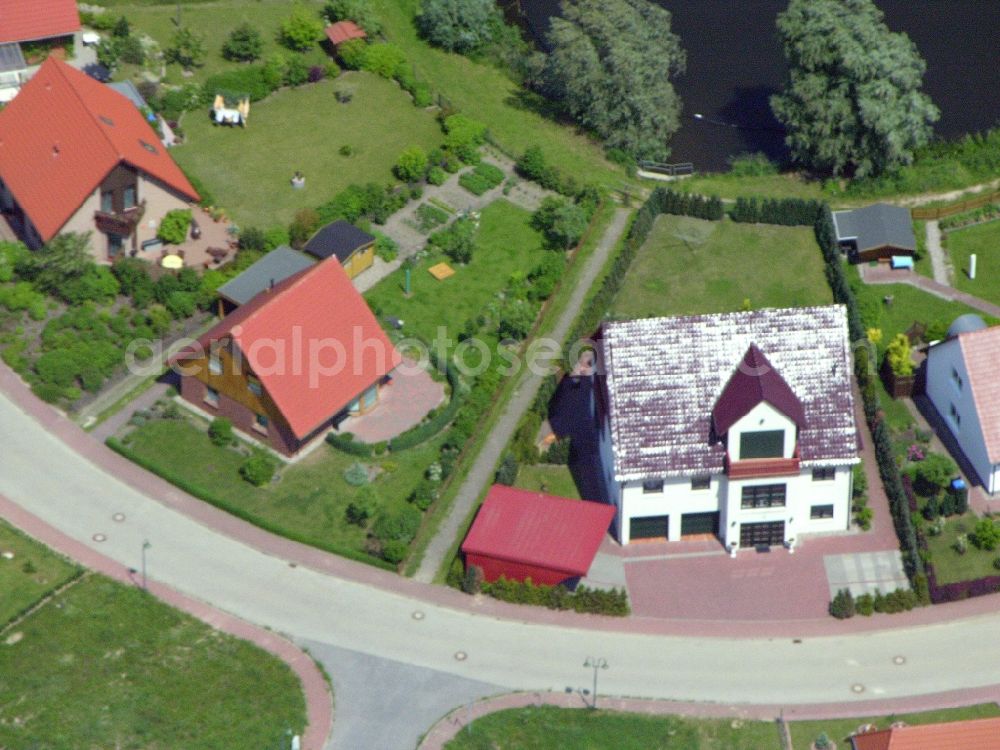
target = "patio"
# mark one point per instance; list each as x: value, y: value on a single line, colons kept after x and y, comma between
x: 403, y: 403
x: 213, y: 247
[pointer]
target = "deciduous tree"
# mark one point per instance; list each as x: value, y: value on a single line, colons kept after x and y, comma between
x: 459, y: 25
x: 244, y: 44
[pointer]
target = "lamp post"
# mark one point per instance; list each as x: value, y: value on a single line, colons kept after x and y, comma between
x: 595, y: 663
x: 145, y: 546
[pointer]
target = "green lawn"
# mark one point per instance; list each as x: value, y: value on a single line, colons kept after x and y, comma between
x: 548, y: 728
x: 486, y: 93
x: 506, y: 244
x: 949, y: 565
x: 33, y: 572
x: 729, y: 186
x: 984, y: 241
x: 213, y: 21
x: 105, y: 665
x: 308, y: 502
x: 690, y: 266
x: 553, y: 479
x: 248, y: 170
x: 922, y: 264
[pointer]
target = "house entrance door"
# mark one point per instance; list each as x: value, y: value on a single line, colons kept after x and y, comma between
x: 770, y: 533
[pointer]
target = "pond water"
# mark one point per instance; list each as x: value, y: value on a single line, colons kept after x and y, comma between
x: 735, y: 64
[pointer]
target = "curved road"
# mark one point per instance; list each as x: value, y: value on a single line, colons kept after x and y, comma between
x: 43, y: 474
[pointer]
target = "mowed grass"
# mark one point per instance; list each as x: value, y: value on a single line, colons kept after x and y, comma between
x: 309, y: 501
x: 548, y: 728
x: 505, y: 244
x: 486, y: 93
x: 949, y: 565
x: 983, y: 240
x: 213, y: 22
x: 690, y: 266
x: 106, y: 666
x: 32, y: 573
x: 549, y: 478
x: 248, y: 170
x: 730, y: 186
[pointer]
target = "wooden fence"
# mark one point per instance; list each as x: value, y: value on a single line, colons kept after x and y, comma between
x: 941, y: 212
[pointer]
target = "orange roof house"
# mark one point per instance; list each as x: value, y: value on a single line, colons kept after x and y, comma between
x: 77, y: 156
x: 29, y: 20
x: 344, y: 31
x: 293, y: 361
x: 976, y: 734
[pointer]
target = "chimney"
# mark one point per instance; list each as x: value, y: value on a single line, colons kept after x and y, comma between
x: 272, y: 284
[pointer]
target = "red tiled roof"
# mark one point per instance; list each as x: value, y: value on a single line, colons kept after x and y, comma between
x: 976, y: 734
x: 537, y: 529
x: 63, y: 133
x: 753, y: 381
x: 343, y: 31
x: 981, y: 352
x: 315, y: 310
x: 25, y: 20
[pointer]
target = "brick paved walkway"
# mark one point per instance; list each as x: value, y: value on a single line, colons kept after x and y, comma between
x: 403, y: 403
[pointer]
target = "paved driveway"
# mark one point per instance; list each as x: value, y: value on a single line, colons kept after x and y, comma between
x: 865, y: 572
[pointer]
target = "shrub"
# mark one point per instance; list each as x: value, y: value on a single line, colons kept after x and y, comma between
x: 317, y: 73
x: 383, y: 59
x: 130, y: 50
x: 752, y: 165
x: 303, y: 226
x: 182, y: 304
x: 356, y: 474
x: 865, y: 605
x: 244, y: 44
x: 362, y: 507
x: 174, y: 226
x: 411, y: 164
x: 933, y: 474
x: 985, y: 535
x: 899, y: 354
x: 397, y: 525
x: 345, y: 442
x: 352, y: 53
x: 457, y: 241
x: 507, y: 473
x: 220, y: 432
x: 459, y: 25
x: 186, y: 49
x: 386, y: 248
x: 424, y: 494
x: 842, y: 606
x: 359, y: 11
x: 422, y: 96
x: 296, y: 71
x: 259, y: 468
x: 301, y: 30
x: 436, y: 176
x: 558, y: 452
x: 516, y: 319
x: 464, y: 136
x: 823, y: 742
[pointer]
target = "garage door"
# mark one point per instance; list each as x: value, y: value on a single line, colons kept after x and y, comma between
x: 770, y: 533
x: 650, y: 527
x: 699, y: 523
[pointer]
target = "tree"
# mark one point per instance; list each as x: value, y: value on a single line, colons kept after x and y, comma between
x: 259, y: 468
x: 122, y: 28
x: 187, y: 49
x: 411, y: 164
x: 244, y: 44
x: 459, y: 25
x: 899, y: 354
x: 301, y: 30
x: 852, y: 103
x: 359, y: 11
x: 220, y: 432
x: 610, y: 68
x: 63, y: 258
x: 174, y: 226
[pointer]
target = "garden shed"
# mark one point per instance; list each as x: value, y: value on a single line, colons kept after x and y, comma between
x: 874, y: 232
x: 354, y: 248
x: 520, y: 534
x: 343, y: 31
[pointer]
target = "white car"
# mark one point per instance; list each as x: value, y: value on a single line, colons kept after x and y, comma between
x: 90, y: 38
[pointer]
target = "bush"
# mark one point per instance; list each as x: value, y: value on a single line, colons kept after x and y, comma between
x: 411, y: 164
x: 352, y: 53
x: 301, y: 30
x: 558, y: 452
x: 386, y: 248
x: 933, y: 474
x: 424, y: 495
x: 220, y: 432
x: 397, y: 525
x: 174, y: 226
x: 842, y: 606
x: 865, y: 605
x: 436, y: 176
x: 899, y: 354
x: 244, y: 44
x: 303, y: 226
x: 253, y: 80
x: 459, y: 25
x: 985, y: 535
x: 457, y: 241
x: 752, y: 165
x: 186, y: 49
x: 359, y: 11
x: 317, y: 73
x: 344, y: 441
x: 464, y: 136
x: 259, y: 468
x: 383, y: 59
x: 507, y: 473
x: 356, y: 474
x: 362, y: 507
x: 182, y: 304
x: 296, y: 71
x: 583, y: 599
x: 130, y: 50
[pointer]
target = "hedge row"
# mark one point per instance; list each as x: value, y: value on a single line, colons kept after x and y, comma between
x: 592, y: 601
x: 422, y: 432
x: 202, y: 494
x: 789, y: 212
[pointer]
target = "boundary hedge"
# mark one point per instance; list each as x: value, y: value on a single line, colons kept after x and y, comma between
x: 202, y: 494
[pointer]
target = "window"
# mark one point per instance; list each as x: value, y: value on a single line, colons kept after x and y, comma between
x: 128, y: 196
x: 115, y: 244
x: 821, y: 511
x: 211, y: 397
x: 107, y: 202
x: 956, y: 378
x: 763, y: 496
x: 260, y: 423
x: 254, y: 385
x: 955, y: 416
x: 701, y: 483
x: 651, y: 486
x: 215, y: 365
x: 762, y: 444
x: 824, y: 474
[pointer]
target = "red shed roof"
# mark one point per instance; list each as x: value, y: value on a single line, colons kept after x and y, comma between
x: 343, y: 31
x: 312, y: 342
x: 753, y: 381
x: 537, y: 529
x: 976, y: 734
x: 63, y: 133
x: 25, y: 20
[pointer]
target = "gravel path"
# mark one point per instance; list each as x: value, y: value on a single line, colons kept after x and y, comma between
x: 939, y: 262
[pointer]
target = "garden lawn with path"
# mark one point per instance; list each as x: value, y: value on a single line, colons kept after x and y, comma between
x: 984, y: 241
x: 690, y: 266
x: 550, y: 728
x: 107, y: 665
x: 308, y: 502
x: 32, y: 572
x: 950, y: 565
x: 248, y: 170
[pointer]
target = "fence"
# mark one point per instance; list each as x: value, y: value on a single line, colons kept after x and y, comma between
x: 671, y: 170
x: 941, y: 212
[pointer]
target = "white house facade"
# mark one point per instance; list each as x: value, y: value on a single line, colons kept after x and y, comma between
x: 738, y: 425
x: 963, y: 385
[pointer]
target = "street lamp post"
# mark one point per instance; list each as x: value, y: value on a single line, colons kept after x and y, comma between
x: 145, y: 546
x: 595, y: 663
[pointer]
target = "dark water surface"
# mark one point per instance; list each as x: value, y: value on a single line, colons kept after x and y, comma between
x: 735, y: 64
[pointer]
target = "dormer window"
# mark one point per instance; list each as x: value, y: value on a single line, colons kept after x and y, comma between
x: 956, y: 378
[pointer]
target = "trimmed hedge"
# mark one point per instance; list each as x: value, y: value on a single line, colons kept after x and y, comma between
x: 202, y: 494
x: 425, y: 431
x: 583, y: 599
x: 344, y: 441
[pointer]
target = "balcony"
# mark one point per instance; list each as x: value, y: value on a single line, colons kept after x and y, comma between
x: 122, y: 223
x: 756, y: 468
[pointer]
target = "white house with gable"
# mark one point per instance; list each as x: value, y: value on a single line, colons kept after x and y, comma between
x: 739, y: 425
x: 963, y: 385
